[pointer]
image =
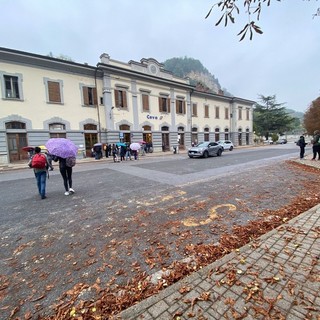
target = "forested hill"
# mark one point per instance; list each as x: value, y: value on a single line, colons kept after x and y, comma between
x: 199, y: 76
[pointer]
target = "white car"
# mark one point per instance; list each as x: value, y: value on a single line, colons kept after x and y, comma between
x: 226, y: 144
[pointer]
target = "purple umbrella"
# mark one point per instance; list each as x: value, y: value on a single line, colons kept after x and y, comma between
x: 62, y: 147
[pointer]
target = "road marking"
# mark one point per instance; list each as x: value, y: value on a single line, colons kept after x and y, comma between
x: 195, y: 222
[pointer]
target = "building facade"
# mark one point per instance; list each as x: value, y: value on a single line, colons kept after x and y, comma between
x: 43, y: 97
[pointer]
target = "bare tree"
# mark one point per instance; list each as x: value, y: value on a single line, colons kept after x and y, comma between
x: 251, y: 7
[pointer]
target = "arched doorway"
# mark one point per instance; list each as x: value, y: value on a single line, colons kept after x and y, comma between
x: 240, y: 137
x: 226, y: 134
x: 194, y: 136
x: 181, y: 138
x: 147, y: 135
x: 165, y: 138
x: 90, y: 137
x: 206, y: 134
x: 16, y: 141
x: 125, y: 133
x: 247, y: 137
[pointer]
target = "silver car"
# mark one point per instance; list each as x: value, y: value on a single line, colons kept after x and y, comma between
x: 205, y: 149
x: 226, y: 144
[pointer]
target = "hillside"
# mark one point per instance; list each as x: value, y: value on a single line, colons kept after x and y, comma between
x: 199, y: 76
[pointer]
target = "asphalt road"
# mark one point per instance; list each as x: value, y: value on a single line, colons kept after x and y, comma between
x: 127, y: 217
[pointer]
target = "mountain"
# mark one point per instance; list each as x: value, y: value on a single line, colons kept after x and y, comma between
x: 199, y: 76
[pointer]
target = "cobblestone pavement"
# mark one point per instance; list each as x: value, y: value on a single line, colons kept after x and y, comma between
x: 276, y: 277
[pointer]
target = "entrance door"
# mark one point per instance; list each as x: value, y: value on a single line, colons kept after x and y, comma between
x: 181, y: 141
x: 90, y: 139
x: 165, y: 142
x: 16, y: 141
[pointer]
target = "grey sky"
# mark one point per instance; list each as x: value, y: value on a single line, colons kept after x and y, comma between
x: 283, y: 61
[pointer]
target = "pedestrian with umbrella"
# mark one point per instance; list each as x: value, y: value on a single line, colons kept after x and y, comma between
x: 64, y: 151
x: 135, y: 147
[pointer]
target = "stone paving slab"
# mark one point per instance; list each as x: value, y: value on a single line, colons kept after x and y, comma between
x: 274, y: 277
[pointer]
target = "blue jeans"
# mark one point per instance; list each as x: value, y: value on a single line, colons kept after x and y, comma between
x: 41, y: 177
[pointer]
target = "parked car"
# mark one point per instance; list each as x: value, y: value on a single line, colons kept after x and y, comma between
x: 205, y: 149
x: 282, y: 141
x: 226, y: 144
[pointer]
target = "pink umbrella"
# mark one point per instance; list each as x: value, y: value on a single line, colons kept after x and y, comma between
x: 135, y: 146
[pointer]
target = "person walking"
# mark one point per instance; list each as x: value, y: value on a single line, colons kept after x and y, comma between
x: 128, y: 153
x: 123, y: 150
x: 316, y: 145
x: 40, y: 164
x: 302, y: 144
x: 66, y: 173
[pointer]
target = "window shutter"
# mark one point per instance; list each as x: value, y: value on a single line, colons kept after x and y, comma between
x: 168, y: 100
x: 54, y: 91
x: 177, y: 106
x: 184, y: 107
x: 160, y: 105
x: 116, y: 98
x: 95, y: 98
x: 85, y: 92
x: 145, y: 102
x: 124, y: 97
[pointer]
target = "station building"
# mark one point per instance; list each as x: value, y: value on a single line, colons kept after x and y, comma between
x: 44, y: 97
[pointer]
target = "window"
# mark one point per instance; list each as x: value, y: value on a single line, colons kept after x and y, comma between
x: 57, y: 127
x: 146, y: 128
x: 124, y: 127
x: 194, y: 110
x: 164, y: 104
x: 89, y: 96
x: 11, y: 85
x: 145, y: 101
x: 90, y: 126
x: 240, y: 113
x: 248, y: 114
x: 180, y: 106
x: 15, y: 125
x: 226, y: 113
x: 206, y: 111
x: 120, y: 96
x: 54, y: 92
x: 217, y: 110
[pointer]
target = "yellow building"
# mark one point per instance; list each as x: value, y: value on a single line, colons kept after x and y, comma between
x: 44, y: 97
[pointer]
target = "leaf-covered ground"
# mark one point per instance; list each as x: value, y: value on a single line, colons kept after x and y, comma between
x: 94, y: 262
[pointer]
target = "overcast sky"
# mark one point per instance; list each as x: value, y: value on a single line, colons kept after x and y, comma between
x: 284, y: 61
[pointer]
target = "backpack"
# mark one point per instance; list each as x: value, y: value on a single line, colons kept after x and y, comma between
x: 39, y: 161
x: 71, y: 162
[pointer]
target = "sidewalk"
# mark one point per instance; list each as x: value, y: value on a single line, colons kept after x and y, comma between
x: 276, y: 277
